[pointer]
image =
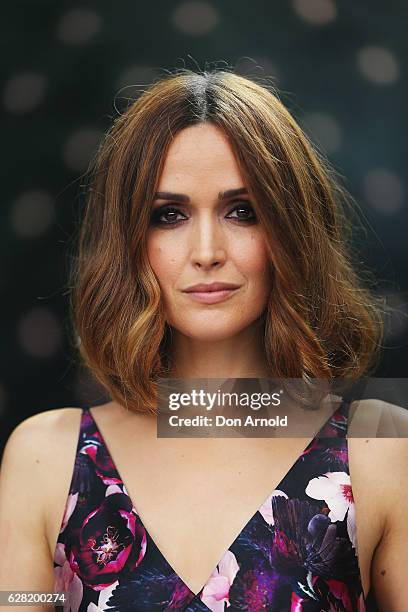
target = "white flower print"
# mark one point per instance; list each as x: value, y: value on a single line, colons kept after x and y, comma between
x: 335, y: 489
x: 216, y: 591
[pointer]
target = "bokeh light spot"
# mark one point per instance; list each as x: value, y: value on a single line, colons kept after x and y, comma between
x: 315, y: 12
x: 32, y: 213
x: 78, y: 26
x: 24, y: 92
x: 324, y: 130
x: 383, y: 190
x: 378, y: 65
x: 195, y: 18
x: 80, y: 147
x: 39, y: 332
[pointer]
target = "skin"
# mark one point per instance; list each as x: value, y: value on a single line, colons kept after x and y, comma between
x: 212, y: 241
x: 163, y: 475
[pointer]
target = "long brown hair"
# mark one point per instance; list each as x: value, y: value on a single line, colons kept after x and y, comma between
x: 322, y: 320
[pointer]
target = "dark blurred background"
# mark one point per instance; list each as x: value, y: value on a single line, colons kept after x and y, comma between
x: 339, y: 67
x: 340, y: 70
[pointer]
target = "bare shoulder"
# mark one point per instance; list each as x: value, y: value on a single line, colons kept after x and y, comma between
x: 391, y: 440
x: 382, y: 429
x: 374, y: 418
x: 31, y: 473
x: 37, y: 422
x: 38, y: 436
x: 378, y: 439
x: 36, y: 449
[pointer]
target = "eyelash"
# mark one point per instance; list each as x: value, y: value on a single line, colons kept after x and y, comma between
x: 162, y: 210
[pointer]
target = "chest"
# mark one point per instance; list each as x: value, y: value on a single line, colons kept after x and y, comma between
x: 194, y: 502
x: 195, y: 497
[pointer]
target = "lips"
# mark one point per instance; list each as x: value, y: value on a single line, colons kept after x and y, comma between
x: 211, y: 293
x: 210, y: 287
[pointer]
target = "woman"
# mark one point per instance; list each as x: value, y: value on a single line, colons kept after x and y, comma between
x: 207, y: 178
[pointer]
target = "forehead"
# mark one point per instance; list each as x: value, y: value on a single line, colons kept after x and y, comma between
x: 201, y: 153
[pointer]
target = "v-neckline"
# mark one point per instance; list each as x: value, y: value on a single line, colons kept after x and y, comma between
x: 163, y: 557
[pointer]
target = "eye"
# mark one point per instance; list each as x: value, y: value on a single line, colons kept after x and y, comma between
x: 162, y: 211
x: 166, y: 215
x: 243, y: 209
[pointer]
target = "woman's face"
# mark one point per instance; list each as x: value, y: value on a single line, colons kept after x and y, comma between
x: 197, y: 235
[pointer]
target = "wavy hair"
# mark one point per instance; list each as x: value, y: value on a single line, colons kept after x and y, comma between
x: 323, y: 320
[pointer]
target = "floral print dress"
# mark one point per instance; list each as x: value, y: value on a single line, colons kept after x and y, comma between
x: 297, y: 553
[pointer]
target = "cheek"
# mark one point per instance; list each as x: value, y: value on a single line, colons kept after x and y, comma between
x: 164, y: 258
x: 253, y: 260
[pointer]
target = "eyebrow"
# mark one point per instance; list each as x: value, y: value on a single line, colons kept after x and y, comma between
x: 181, y: 197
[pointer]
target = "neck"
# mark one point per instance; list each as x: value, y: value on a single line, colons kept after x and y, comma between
x: 239, y: 356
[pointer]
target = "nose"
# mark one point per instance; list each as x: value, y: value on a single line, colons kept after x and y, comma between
x: 208, y: 242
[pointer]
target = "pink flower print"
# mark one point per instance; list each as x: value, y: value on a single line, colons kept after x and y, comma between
x: 335, y: 489
x: 69, y: 508
x: 102, y: 460
x: 216, y: 591
x: 66, y: 581
x: 266, y: 508
x: 340, y: 591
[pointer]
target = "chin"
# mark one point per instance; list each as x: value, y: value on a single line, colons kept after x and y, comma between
x: 211, y: 336
x: 209, y: 329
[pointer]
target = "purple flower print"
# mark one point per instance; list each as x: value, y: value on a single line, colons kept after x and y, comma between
x: 110, y: 542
